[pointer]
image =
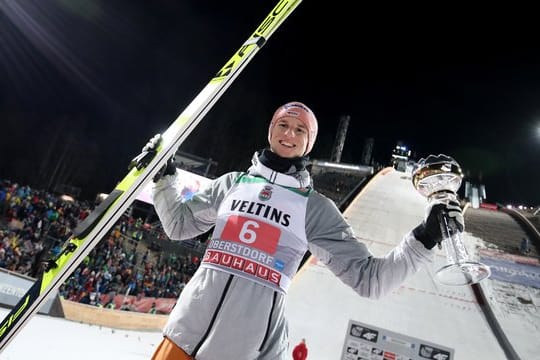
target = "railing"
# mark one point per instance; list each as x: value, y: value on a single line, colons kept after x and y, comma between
x: 531, y: 230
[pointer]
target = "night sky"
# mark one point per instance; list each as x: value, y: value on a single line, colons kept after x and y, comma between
x: 84, y: 84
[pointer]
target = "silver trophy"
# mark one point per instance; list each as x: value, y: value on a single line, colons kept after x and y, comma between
x: 438, y: 178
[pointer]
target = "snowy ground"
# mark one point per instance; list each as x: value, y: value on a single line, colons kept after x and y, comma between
x: 47, y: 338
x: 421, y: 312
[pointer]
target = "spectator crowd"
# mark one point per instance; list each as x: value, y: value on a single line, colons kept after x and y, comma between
x: 35, y: 224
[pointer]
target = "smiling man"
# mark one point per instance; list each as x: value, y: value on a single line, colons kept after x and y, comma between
x: 292, y: 131
x: 265, y: 219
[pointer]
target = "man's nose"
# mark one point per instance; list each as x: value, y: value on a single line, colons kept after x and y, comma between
x: 290, y: 132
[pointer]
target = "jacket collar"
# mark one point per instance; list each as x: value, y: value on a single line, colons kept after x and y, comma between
x: 298, y: 179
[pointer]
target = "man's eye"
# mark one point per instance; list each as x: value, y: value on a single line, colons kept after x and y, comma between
x: 301, y: 130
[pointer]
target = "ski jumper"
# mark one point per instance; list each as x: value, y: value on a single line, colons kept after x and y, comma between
x: 265, y: 221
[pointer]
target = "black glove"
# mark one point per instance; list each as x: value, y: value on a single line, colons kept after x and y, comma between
x: 429, y: 232
x: 168, y: 169
x: 147, y: 154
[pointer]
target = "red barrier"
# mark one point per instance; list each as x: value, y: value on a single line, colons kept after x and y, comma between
x: 488, y: 206
x: 141, y: 304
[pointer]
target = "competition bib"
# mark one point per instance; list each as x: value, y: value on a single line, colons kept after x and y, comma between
x: 259, y: 233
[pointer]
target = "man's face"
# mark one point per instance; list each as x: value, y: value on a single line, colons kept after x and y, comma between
x: 289, y: 137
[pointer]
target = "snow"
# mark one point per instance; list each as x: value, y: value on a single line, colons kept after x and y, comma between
x: 45, y: 338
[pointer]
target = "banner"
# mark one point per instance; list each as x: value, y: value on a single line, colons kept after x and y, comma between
x: 513, y: 272
x: 188, y: 181
x: 13, y: 287
x: 367, y: 342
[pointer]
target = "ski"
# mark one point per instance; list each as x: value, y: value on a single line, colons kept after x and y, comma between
x: 90, y: 231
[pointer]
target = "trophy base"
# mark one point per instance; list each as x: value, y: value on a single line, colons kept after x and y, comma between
x: 465, y: 273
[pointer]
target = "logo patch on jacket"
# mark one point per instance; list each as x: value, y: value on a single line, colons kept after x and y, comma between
x: 266, y: 193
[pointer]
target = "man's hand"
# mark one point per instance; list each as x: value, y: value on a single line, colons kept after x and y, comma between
x: 148, y: 152
x: 429, y: 231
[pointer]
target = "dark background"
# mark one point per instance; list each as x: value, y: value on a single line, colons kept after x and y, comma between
x: 84, y: 84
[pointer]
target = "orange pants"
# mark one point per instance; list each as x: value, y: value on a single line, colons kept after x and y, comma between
x: 167, y: 350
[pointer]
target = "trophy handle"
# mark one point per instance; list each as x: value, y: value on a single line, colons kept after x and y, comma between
x: 460, y: 269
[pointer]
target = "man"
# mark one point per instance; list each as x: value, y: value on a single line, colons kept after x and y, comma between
x: 265, y: 220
